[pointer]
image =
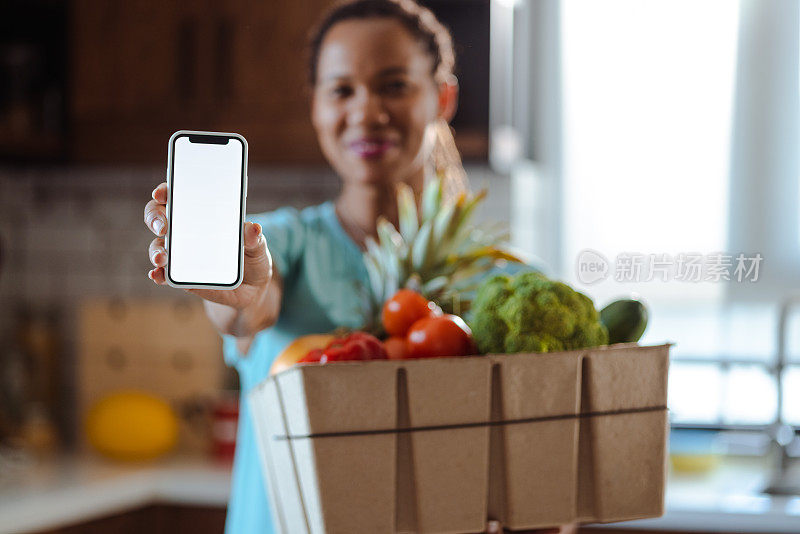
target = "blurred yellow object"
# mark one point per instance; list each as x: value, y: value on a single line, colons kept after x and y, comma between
x: 693, y: 463
x: 131, y: 426
x: 299, y: 348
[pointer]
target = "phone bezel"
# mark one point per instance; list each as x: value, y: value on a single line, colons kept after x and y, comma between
x: 242, y: 208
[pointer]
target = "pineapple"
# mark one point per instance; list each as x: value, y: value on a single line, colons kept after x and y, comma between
x: 437, y: 252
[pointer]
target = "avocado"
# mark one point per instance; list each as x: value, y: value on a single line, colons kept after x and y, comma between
x: 625, y: 319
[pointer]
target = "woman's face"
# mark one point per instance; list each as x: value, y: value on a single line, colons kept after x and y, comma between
x: 374, y: 97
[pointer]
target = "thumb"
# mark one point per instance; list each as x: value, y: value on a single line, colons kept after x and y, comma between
x: 254, y: 240
x: 257, y: 259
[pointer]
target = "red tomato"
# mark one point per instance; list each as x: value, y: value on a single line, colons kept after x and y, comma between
x: 404, y: 309
x: 313, y: 356
x: 446, y: 335
x: 396, y: 348
x: 356, y: 346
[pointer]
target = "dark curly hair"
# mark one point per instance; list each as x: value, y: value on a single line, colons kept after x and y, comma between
x: 419, y: 21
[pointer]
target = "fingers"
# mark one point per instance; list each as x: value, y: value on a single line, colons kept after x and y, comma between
x: 157, y: 276
x: 211, y: 295
x: 494, y: 527
x: 158, y: 257
x: 157, y: 252
x: 258, y: 262
x: 155, y: 213
x: 160, y: 193
x: 155, y: 217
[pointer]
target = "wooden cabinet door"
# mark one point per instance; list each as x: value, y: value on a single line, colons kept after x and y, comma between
x: 124, y: 75
x: 266, y: 98
x: 153, y: 519
x: 142, y: 69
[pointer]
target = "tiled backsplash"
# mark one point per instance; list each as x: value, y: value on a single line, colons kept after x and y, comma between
x: 77, y: 232
x: 69, y: 233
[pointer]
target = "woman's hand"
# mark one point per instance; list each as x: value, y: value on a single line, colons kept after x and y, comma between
x: 494, y: 527
x: 242, y: 311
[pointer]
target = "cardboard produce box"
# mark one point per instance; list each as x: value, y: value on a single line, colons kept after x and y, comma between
x: 166, y: 347
x: 442, y: 445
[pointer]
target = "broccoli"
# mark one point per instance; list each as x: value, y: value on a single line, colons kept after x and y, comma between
x: 531, y: 313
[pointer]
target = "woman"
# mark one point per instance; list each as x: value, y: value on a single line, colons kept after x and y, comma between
x: 382, y: 92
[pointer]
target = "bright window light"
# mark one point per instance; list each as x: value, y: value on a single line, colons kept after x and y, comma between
x: 791, y: 395
x: 694, y: 392
x: 750, y: 396
x: 647, y: 100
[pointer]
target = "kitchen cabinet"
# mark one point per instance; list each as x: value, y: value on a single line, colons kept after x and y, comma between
x: 154, y: 519
x: 33, y: 48
x: 143, y: 69
x: 264, y: 90
x: 124, y: 77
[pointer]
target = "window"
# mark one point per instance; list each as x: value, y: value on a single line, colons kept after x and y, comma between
x: 657, y: 128
x: 648, y: 102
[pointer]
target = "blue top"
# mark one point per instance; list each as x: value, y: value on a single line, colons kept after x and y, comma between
x: 321, y: 267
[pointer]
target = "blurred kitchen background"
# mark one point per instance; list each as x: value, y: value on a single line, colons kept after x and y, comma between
x: 640, y: 127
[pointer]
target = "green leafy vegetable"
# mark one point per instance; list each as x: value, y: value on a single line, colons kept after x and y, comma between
x: 531, y: 313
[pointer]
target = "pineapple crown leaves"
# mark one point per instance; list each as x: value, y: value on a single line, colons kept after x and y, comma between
x: 431, y: 199
x: 407, y: 210
x: 437, y: 251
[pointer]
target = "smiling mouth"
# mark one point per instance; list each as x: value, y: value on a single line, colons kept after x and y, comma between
x: 371, y: 148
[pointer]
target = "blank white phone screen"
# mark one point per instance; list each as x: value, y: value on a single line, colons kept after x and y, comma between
x: 207, y: 181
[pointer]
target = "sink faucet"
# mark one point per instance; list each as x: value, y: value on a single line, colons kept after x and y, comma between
x: 782, y: 434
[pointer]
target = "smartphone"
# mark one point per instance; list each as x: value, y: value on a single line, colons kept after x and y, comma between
x: 207, y: 179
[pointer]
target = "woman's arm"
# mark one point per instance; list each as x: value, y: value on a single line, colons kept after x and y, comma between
x: 245, y: 323
x: 241, y: 312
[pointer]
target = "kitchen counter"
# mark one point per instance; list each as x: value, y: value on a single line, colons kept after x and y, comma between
x: 724, y: 499
x: 72, y: 490
x: 76, y: 489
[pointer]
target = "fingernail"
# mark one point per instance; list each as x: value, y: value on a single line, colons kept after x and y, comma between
x: 150, y: 274
x: 158, y: 225
x: 153, y: 194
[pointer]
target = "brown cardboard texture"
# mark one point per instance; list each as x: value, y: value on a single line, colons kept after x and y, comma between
x: 166, y: 347
x: 442, y: 445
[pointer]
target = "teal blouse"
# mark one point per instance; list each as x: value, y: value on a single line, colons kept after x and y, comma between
x: 321, y: 266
